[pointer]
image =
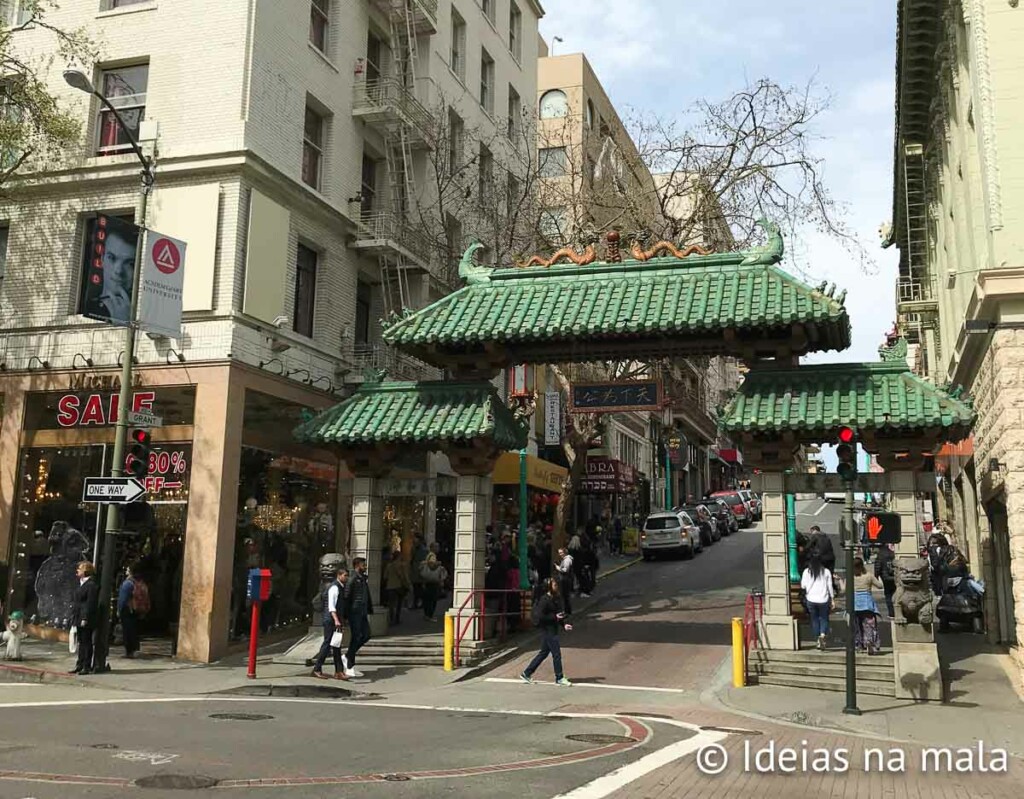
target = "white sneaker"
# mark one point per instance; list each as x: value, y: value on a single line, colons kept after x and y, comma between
x: 564, y: 681
x: 344, y: 665
x: 353, y: 673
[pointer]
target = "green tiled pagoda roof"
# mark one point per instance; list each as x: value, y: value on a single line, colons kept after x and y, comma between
x: 664, y: 305
x: 879, y: 397
x: 424, y: 414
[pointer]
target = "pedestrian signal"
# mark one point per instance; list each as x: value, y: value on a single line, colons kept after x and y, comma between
x: 883, y: 528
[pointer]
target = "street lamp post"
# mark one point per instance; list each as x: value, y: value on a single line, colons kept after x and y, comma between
x: 78, y: 80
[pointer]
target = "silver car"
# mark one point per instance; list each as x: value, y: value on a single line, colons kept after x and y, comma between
x: 669, y: 531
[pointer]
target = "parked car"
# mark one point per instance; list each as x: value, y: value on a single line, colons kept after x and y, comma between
x: 754, y: 503
x: 739, y: 508
x: 669, y: 531
x: 705, y: 521
x: 720, y: 510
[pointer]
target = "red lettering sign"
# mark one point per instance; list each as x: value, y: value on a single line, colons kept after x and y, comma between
x: 67, y: 411
x: 72, y: 411
x: 93, y: 411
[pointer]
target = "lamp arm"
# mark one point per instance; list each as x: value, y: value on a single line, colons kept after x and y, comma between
x: 147, y: 168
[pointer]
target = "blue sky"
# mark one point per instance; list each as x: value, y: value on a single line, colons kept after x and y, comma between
x: 660, y: 55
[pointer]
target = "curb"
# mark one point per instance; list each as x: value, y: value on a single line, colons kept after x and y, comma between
x: 29, y: 674
x: 617, y: 569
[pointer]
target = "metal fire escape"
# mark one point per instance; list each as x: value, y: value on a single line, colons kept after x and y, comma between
x: 916, y: 300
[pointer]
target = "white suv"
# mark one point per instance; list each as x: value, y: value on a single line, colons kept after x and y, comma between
x: 669, y: 531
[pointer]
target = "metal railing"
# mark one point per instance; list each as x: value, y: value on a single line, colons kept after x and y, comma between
x: 388, y: 94
x: 475, y: 608
x: 391, y: 227
x: 397, y: 365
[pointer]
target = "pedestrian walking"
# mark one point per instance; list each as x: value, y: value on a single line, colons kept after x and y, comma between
x: 885, y: 570
x: 434, y: 576
x: 615, y: 537
x: 588, y: 566
x: 397, y: 585
x: 85, y: 615
x: 865, y: 616
x: 132, y: 606
x: 419, y: 555
x: 564, y: 575
x: 550, y: 616
x: 816, y: 584
x: 358, y: 609
x: 333, y: 622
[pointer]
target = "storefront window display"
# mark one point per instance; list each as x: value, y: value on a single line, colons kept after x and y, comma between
x: 286, y: 522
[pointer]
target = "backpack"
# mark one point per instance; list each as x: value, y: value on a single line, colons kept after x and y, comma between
x: 535, y: 612
x: 140, y: 597
x: 889, y: 570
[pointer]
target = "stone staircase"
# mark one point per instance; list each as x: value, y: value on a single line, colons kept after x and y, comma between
x: 399, y: 650
x: 822, y: 671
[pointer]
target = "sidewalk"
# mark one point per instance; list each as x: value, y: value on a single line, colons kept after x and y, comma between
x: 49, y: 662
x: 983, y: 703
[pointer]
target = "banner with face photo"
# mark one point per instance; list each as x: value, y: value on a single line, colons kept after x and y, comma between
x: 109, y: 270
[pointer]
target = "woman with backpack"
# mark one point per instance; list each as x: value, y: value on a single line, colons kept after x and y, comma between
x: 885, y: 570
x: 132, y: 605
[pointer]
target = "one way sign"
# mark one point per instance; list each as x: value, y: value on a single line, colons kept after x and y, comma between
x: 115, y: 490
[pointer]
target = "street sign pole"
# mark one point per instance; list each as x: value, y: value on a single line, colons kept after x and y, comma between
x: 114, y: 515
x: 849, y: 546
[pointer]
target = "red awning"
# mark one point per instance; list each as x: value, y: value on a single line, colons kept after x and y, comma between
x: 731, y: 456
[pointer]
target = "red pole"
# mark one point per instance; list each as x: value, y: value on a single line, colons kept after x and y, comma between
x: 254, y: 639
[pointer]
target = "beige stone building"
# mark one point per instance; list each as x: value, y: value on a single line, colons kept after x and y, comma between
x: 291, y: 140
x: 957, y: 220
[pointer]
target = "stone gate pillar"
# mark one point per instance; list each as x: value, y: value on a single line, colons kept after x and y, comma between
x: 779, y: 624
x: 472, y: 515
x: 915, y: 654
x: 368, y: 541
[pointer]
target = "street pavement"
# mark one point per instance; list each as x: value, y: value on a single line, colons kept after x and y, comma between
x: 650, y: 665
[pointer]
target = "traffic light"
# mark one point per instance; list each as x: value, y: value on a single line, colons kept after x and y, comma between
x: 846, y: 452
x: 138, y: 453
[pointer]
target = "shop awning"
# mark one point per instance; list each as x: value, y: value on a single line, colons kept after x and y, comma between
x: 540, y: 473
x: 731, y: 457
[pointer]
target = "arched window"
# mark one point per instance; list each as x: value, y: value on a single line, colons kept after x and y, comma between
x: 554, y: 105
x: 590, y: 115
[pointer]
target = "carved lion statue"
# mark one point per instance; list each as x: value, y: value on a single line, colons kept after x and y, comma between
x: 913, y: 592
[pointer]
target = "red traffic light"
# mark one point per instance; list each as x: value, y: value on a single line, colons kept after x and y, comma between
x: 140, y: 436
x: 847, y: 434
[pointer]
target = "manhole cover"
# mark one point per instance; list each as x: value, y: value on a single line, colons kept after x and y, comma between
x: 732, y: 730
x: 596, y: 738
x: 104, y: 746
x: 396, y: 778
x: 240, y: 716
x: 176, y: 782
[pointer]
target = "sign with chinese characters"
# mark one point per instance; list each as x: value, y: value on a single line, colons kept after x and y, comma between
x: 552, y: 418
x: 162, y: 285
x: 644, y: 395
x: 441, y: 486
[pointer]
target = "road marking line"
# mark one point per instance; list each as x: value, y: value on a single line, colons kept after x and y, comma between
x: 517, y: 681
x: 631, y: 772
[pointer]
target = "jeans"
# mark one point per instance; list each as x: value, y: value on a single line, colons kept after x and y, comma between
x: 395, y: 598
x: 359, y: 628
x: 130, y: 630
x: 819, y: 617
x: 550, y: 646
x: 430, y: 592
x: 326, y: 647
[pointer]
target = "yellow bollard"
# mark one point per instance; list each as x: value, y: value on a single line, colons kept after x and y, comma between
x: 449, y: 643
x: 738, y: 665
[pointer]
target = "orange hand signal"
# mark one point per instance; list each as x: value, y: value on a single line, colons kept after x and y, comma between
x: 874, y: 528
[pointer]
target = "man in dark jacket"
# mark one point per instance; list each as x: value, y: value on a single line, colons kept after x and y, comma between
x: 358, y: 609
x: 822, y: 544
x: 885, y: 570
x: 85, y: 616
x: 549, y: 616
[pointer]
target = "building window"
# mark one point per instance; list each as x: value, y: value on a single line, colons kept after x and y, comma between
x: 5, y: 232
x: 453, y: 237
x: 485, y: 174
x: 589, y: 119
x: 512, y: 194
x: 125, y: 87
x: 16, y: 13
x: 553, y: 224
x: 363, y: 301
x: 490, y: 9
x: 305, y: 291
x: 368, y: 187
x: 552, y: 162
x: 515, y: 31
x: 487, y: 82
x: 126, y: 3
x: 456, y: 137
x: 457, y: 61
x: 374, y: 58
x: 515, y: 114
x: 319, y: 23
x: 312, y: 148
x: 554, y: 105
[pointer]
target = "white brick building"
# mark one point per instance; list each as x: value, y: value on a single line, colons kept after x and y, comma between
x: 279, y: 130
